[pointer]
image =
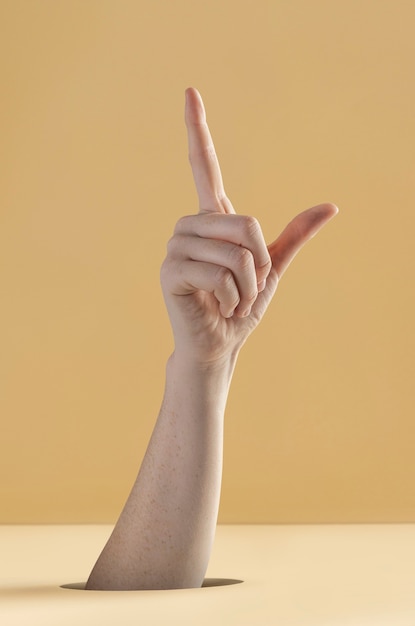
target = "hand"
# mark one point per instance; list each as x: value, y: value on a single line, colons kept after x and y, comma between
x: 219, y: 276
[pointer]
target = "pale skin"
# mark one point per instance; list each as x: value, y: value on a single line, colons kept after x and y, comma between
x: 218, y: 279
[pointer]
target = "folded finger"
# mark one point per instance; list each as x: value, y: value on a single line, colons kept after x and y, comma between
x: 190, y: 276
x: 235, y: 258
x: 240, y: 230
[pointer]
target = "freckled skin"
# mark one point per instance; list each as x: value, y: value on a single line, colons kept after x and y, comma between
x: 215, y: 296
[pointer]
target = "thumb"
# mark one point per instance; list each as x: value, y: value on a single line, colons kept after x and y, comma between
x: 296, y: 234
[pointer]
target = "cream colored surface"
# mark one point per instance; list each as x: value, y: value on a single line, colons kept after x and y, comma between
x: 292, y: 575
x: 308, y: 101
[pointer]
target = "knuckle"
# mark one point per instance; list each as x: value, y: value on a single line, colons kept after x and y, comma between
x: 241, y: 257
x: 174, y: 245
x: 224, y: 277
x: 252, y: 297
x: 164, y: 271
x: 202, y: 153
x: 251, y: 226
x: 171, y: 244
x: 171, y: 273
x: 182, y: 224
x: 265, y: 268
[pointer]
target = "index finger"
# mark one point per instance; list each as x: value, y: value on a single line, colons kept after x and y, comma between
x: 203, y: 159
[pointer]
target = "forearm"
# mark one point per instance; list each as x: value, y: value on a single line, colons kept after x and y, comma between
x: 164, y: 535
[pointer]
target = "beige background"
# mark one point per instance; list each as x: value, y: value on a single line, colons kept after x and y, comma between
x: 308, y: 101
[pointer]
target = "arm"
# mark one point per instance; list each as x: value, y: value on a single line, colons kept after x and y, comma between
x: 218, y: 279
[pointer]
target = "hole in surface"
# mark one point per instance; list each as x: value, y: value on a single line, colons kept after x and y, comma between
x: 208, y: 582
x: 220, y: 582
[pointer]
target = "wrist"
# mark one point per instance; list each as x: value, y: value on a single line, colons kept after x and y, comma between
x: 201, y: 383
x: 198, y: 388
x: 220, y: 367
